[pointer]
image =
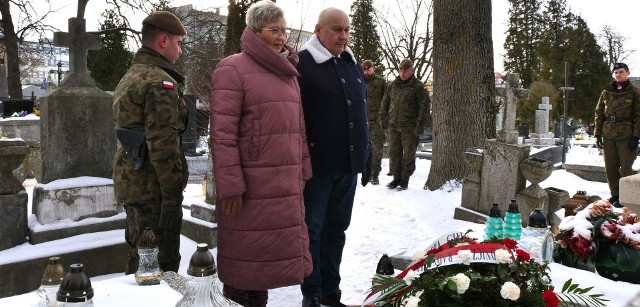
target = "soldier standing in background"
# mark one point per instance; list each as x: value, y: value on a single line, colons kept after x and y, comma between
x: 375, y: 92
x: 618, y: 128
x: 404, y: 111
x: 150, y: 171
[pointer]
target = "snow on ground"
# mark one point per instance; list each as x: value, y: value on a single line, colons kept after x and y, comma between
x: 384, y: 221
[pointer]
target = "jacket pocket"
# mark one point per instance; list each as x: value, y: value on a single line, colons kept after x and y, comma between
x: 254, y: 141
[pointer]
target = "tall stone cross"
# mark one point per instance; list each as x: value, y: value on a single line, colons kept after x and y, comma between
x: 511, y: 93
x: 79, y: 42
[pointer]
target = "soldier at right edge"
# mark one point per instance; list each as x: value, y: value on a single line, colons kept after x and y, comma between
x: 617, y: 129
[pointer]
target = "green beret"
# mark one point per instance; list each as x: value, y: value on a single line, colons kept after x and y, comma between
x: 366, y: 64
x: 405, y: 64
x: 165, y: 21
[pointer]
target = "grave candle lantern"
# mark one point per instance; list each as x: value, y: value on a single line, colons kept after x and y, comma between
x: 51, y: 280
x: 537, y: 238
x: 513, y: 221
x: 148, y: 272
x: 495, y: 225
x: 203, y: 289
x: 75, y: 289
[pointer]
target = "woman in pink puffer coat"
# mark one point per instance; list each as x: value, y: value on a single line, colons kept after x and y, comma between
x: 260, y: 162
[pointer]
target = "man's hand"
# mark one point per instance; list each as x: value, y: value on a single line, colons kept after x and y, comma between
x: 599, y: 141
x: 633, y: 143
x: 366, y: 175
x: 232, y: 205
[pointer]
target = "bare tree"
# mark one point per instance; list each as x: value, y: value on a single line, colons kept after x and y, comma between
x: 32, y: 56
x: 29, y: 22
x: 202, y: 50
x: 407, y: 35
x: 614, y: 44
x: 464, y: 88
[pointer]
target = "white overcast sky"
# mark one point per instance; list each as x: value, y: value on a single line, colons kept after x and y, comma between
x: 621, y: 15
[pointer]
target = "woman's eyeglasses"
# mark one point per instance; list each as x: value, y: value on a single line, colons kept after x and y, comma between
x: 277, y: 32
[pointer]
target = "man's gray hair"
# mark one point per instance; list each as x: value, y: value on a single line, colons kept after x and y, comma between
x: 262, y: 12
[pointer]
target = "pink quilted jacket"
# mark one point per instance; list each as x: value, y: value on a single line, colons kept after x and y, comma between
x: 260, y: 151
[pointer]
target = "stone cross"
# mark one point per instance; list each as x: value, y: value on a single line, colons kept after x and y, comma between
x: 542, y: 116
x: 78, y: 41
x: 542, y: 136
x: 511, y: 93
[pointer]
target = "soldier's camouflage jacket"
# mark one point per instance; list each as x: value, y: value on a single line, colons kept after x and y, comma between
x: 376, y: 86
x: 149, y: 98
x: 618, y: 112
x: 405, y: 104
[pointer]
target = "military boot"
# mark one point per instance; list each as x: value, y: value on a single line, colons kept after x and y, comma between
x: 374, y: 180
x: 403, y: 185
x: 393, y: 184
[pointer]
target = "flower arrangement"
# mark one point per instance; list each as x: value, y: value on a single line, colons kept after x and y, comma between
x: 607, y: 236
x: 464, y: 272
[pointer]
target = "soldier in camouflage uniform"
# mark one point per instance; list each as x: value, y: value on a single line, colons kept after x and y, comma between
x: 149, y: 99
x: 404, y: 111
x: 375, y: 92
x: 618, y: 128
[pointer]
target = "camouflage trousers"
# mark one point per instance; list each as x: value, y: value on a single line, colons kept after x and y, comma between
x: 140, y: 216
x: 403, y: 143
x: 618, y: 160
x: 377, y: 142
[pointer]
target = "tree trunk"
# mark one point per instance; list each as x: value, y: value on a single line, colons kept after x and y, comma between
x: 463, y: 86
x: 11, y: 48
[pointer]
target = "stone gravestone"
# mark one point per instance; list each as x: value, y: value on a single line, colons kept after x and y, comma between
x: 13, y: 197
x: 510, y: 95
x: 77, y: 131
x: 543, y: 137
x: 500, y: 175
x: 534, y: 170
x: 471, y: 188
x: 501, y: 178
x: 498, y: 164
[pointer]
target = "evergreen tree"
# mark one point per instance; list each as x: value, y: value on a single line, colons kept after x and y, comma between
x: 109, y: 63
x: 588, y: 70
x: 522, y: 38
x: 551, y: 49
x: 236, y: 24
x: 365, y: 40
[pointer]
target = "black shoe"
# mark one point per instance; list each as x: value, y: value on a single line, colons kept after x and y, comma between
x: 309, y: 301
x: 403, y: 185
x: 375, y: 180
x: 617, y: 204
x: 393, y: 184
x: 613, y: 199
x: 389, y: 174
x: 332, y: 300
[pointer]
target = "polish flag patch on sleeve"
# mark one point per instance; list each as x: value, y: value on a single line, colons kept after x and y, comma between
x: 168, y: 84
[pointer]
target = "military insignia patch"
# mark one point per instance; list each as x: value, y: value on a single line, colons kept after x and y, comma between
x: 168, y: 84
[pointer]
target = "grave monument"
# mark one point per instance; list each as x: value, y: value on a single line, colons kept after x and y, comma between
x: 77, y: 132
x: 542, y: 136
x: 501, y: 169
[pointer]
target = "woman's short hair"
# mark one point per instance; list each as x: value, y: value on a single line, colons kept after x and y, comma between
x: 262, y: 12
